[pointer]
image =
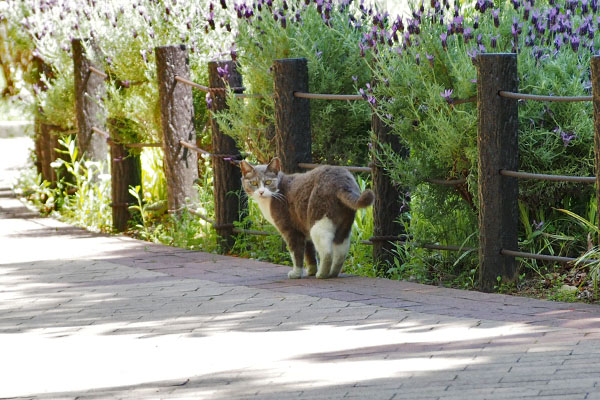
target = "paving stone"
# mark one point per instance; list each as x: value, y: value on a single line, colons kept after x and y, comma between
x: 120, y: 318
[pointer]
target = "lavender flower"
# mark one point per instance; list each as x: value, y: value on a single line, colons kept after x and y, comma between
x: 496, y: 15
x: 209, y: 101
x: 467, y: 35
x: 567, y: 137
x: 223, y: 71
x: 446, y: 95
x: 537, y: 225
x: 444, y: 37
x: 575, y: 41
x: 429, y: 58
x: 494, y: 41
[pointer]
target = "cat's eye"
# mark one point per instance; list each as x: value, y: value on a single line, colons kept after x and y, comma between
x: 254, y: 183
x: 268, y: 182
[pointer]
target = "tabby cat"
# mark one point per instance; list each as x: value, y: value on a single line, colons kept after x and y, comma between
x: 313, y: 211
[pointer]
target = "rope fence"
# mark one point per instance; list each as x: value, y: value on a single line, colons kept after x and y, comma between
x: 319, y: 96
x: 497, y: 135
x: 233, y: 158
x: 546, y: 177
x: 206, y: 89
x: 536, y: 97
x: 98, y: 72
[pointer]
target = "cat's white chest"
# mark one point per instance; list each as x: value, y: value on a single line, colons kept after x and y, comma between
x: 264, y: 204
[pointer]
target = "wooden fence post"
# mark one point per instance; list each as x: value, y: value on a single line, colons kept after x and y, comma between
x: 177, y: 118
x: 292, y: 114
x: 227, y: 176
x: 498, y: 147
x: 46, y: 141
x: 595, y: 66
x: 126, y: 171
x: 89, y: 92
x: 390, y: 200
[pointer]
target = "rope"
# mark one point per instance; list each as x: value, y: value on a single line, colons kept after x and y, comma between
x: 101, y: 132
x: 138, y: 145
x: 429, y: 246
x: 235, y: 230
x: 253, y: 232
x: 319, y: 96
x: 451, y: 182
x: 463, y: 101
x: 192, y: 84
x: 545, y: 177
x: 98, y: 72
x: 233, y: 158
x: 203, y: 88
x: 351, y: 169
x: 563, y: 99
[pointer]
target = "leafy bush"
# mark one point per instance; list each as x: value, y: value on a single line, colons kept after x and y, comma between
x: 327, y: 35
x: 434, y: 51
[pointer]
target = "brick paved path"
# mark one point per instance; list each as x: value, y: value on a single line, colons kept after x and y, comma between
x: 91, y: 316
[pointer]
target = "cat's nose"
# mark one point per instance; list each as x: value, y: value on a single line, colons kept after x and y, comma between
x: 261, y: 192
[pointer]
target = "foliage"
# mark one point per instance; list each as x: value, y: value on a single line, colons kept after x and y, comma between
x: 81, y: 195
x: 436, y: 49
x: 326, y: 34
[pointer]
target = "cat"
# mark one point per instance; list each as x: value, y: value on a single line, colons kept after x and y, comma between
x: 313, y: 211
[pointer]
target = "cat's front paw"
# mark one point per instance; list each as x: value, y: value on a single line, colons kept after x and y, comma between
x: 311, y: 270
x: 295, y: 274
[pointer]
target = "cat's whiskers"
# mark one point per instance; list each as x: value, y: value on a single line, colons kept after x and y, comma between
x: 279, y: 196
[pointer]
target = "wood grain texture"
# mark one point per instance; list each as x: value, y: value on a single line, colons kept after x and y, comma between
x: 90, y: 90
x: 177, y: 122
x: 498, y: 147
x: 292, y: 114
x: 230, y: 202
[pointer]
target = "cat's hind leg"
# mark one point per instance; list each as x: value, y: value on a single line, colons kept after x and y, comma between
x: 322, y: 234
x: 340, y: 251
x: 296, y: 244
x: 310, y: 258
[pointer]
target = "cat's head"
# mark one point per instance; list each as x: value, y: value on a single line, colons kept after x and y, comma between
x: 261, y: 181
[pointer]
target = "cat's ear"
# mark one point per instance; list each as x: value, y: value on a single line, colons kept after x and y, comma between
x: 274, y: 165
x: 246, y: 167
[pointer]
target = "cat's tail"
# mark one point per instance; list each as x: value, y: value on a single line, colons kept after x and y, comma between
x: 355, y: 200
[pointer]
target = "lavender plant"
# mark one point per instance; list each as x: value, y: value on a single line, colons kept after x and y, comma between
x: 327, y: 34
x: 425, y: 64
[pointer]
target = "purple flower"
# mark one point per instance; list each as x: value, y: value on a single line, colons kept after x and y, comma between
x: 209, y: 101
x: 446, y: 95
x: 537, y: 225
x: 535, y: 16
x: 223, y: 71
x: 211, y: 21
x: 467, y: 35
x: 354, y: 78
x: 361, y: 91
x: 567, y: 137
x: 494, y: 41
x: 575, y: 41
x: 496, y: 14
x: 144, y: 55
x: 429, y: 58
x: 372, y: 100
x: 473, y: 54
x: 444, y: 37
